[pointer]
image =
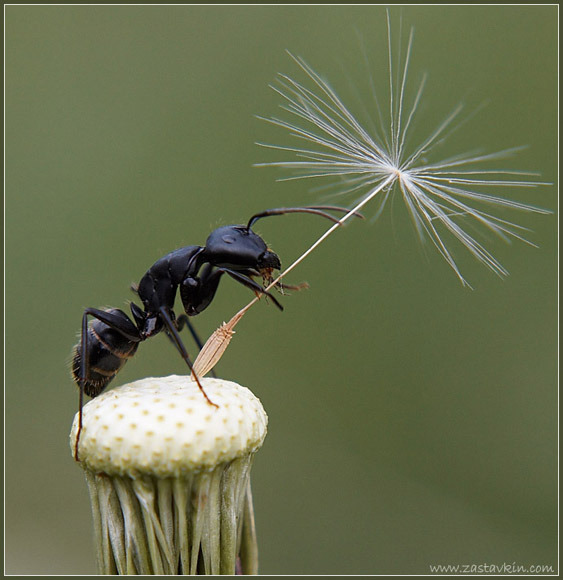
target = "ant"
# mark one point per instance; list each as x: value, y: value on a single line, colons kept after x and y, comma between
x: 112, y: 337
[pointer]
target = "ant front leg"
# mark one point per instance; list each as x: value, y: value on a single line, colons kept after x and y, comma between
x: 250, y: 283
x: 197, y: 294
x: 175, y: 336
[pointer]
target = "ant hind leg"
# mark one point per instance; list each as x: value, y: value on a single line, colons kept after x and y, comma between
x: 128, y: 336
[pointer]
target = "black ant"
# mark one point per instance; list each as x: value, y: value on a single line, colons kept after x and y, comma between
x: 112, y: 338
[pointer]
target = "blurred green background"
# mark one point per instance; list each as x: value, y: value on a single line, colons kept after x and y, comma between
x: 412, y: 422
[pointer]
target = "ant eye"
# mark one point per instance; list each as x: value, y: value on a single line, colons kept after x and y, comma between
x: 228, y: 239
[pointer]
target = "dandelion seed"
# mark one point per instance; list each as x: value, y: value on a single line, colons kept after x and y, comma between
x: 378, y: 163
x: 439, y: 196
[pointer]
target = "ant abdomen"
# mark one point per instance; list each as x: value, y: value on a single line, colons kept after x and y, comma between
x: 107, y: 352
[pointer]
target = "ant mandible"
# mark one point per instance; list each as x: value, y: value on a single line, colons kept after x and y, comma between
x: 112, y: 337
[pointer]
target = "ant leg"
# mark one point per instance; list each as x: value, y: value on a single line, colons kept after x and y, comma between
x: 83, y: 374
x: 249, y: 283
x: 196, y: 296
x: 175, y: 336
x: 182, y: 321
x: 118, y: 322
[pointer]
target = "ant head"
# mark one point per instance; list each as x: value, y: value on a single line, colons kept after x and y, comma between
x: 239, y: 248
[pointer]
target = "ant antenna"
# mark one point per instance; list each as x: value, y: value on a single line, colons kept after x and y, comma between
x: 314, y: 209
